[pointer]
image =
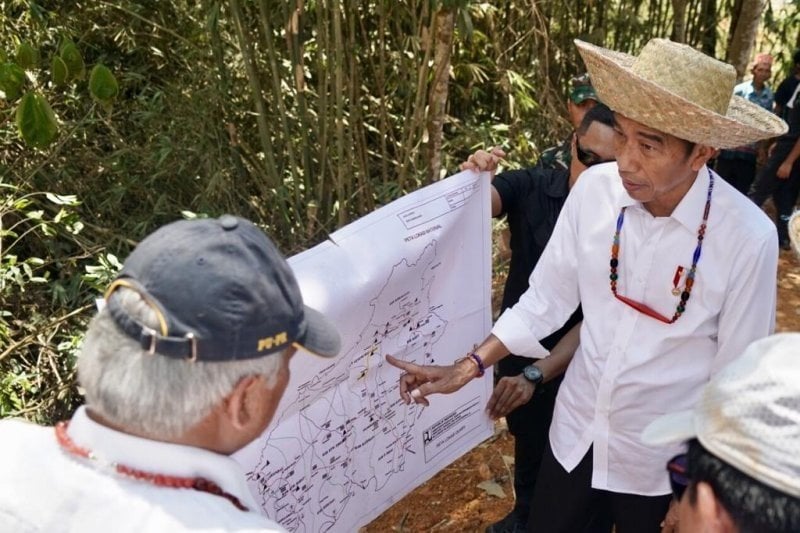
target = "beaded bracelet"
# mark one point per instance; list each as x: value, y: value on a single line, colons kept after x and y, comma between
x: 478, y: 361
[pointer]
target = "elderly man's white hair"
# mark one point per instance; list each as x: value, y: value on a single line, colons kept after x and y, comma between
x: 154, y: 394
x: 794, y: 232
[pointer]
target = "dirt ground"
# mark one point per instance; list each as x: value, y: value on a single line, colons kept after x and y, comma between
x: 452, y: 500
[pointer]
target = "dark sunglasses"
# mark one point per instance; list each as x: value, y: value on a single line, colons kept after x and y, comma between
x: 678, y: 477
x: 588, y: 159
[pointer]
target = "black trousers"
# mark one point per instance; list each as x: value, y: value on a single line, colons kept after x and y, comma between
x: 565, y: 502
x: 784, y: 192
x: 530, y: 425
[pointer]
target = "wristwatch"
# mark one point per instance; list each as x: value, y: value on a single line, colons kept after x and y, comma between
x: 533, y: 374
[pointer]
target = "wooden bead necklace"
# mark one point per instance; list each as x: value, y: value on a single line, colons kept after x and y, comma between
x: 690, y: 276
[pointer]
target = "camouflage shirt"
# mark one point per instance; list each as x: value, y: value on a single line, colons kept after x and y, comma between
x: 558, y: 156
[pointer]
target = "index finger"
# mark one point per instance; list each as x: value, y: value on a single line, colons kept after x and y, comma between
x: 406, y: 366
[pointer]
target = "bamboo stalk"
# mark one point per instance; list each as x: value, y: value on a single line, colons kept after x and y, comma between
x: 339, y: 97
x: 277, y: 97
x: 257, y: 95
x: 296, y: 55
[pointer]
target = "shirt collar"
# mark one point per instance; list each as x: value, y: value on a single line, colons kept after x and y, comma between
x: 111, y: 446
x: 689, y: 210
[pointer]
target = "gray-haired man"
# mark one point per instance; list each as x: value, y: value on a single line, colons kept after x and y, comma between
x: 185, y: 365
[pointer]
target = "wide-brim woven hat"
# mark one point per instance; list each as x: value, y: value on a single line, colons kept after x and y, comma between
x: 673, y: 88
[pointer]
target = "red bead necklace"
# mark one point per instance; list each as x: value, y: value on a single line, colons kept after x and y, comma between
x: 687, y: 290
x: 161, y: 480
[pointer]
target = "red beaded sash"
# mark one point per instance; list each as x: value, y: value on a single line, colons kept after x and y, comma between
x: 161, y: 480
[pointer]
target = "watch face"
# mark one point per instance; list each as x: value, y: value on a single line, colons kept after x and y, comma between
x: 532, y: 373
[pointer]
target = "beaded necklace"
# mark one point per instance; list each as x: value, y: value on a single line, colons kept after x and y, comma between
x: 161, y: 480
x: 687, y: 290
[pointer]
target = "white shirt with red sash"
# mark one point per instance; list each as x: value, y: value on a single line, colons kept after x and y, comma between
x: 45, y: 488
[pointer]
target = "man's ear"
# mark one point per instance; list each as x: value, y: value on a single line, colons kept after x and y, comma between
x: 701, y: 155
x: 713, y: 515
x: 238, y: 404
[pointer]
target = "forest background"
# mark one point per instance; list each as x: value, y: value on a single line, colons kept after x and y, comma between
x: 119, y: 116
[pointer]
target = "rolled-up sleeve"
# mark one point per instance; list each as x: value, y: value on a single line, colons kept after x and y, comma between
x: 553, y: 293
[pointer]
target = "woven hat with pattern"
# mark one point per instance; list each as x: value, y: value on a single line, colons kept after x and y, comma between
x: 673, y: 88
x: 748, y: 415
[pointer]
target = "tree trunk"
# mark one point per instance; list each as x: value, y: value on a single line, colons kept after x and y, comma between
x: 708, y: 36
x: 444, y: 30
x: 679, y: 21
x: 744, y: 35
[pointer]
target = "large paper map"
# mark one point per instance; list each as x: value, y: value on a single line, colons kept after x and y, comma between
x: 411, y: 279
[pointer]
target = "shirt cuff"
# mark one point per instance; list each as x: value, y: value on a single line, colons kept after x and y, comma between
x: 514, y: 333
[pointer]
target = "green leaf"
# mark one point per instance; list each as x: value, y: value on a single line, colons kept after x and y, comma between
x: 59, y: 71
x: 27, y: 56
x: 102, y: 84
x: 73, y: 60
x: 36, y: 122
x: 21, y: 203
x: 12, y: 78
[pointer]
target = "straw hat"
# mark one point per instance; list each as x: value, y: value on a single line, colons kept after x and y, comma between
x: 676, y: 89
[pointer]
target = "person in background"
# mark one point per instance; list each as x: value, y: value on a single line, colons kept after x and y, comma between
x: 780, y: 177
x: 531, y: 200
x: 741, y: 472
x: 582, y: 97
x: 738, y: 165
x: 787, y: 87
x: 184, y: 365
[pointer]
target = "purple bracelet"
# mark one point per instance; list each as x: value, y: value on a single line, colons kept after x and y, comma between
x: 478, y: 361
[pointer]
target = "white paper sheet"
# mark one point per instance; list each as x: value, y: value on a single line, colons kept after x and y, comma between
x: 411, y: 279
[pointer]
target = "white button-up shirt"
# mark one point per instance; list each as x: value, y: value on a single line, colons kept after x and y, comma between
x: 44, y: 488
x: 631, y: 368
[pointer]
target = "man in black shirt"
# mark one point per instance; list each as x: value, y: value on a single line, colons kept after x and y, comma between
x: 787, y: 87
x: 780, y: 177
x: 531, y: 200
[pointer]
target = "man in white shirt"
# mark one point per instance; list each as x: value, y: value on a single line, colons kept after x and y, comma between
x: 185, y: 364
x: 675, y: 271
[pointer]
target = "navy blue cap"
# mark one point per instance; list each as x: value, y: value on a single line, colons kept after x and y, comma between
x: 222, y: 291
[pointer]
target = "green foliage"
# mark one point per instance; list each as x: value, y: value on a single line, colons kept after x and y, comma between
x: 59, y: 72
x: 36, y: 121
x: 27, y: 56
x: 47, y: 280
x: 73, y: 60
x: 102, y: 84
x: 12, y: 79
